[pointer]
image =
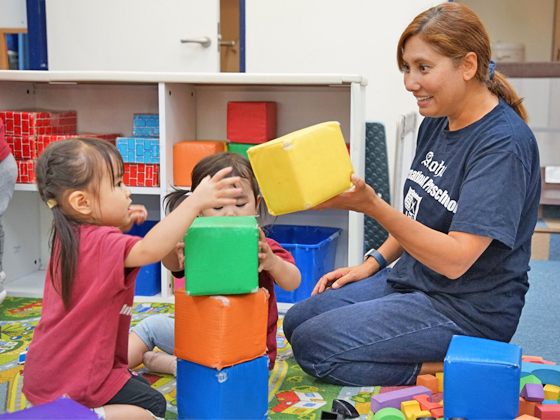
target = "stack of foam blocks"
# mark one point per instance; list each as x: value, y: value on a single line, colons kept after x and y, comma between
x: 248, y: 124
x: 221, y: 323
x: 28, y: 133
x: 140, y: 152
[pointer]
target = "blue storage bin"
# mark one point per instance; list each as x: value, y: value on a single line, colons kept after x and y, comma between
x: 148, y: 281
x: 313, y: 249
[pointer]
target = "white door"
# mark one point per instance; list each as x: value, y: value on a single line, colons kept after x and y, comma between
x: 133, y: 35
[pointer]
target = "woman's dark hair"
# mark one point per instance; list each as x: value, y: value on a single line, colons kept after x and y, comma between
x: 454, y: 30
x: 63, y: 167
x: 210, y: 165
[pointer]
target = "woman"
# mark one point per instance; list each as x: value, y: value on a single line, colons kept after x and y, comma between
x: 463, y: 243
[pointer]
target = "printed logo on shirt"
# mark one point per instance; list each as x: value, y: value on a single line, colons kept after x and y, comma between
x: 435, y: 167
x: 126, y: 310
x: 412, y: 203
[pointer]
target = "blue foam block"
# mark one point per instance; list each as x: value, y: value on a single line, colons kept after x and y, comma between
x: 145, y: 125
x: 138, y: 149
x: 547, y: 374
x: 481, y: 379
x: 236, y: 392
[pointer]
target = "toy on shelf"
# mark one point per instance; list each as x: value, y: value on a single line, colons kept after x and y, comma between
x: 145, y: 125
x: 186, y: 154
x: 141, y: 174
x: 302, y: 169
x: 138, y: 149
x: 251, y: 122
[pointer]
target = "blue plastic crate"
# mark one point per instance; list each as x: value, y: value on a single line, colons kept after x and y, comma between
x: 148, y: 281
x: 313, y: 249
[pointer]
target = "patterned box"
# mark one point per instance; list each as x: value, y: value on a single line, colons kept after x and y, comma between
x: 138, y: 149
x: 141, y: 175
x: 34, y: 123
x: 220, y: 331
x: 251, y: 122
x: 26, y: 172
x: 145, y: 125
x: 30, y: 147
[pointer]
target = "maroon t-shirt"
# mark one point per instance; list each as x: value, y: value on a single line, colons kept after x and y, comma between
x: 83, y: 352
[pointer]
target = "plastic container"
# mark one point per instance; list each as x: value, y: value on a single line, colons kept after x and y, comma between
x: 148, y: 281
x: 313, y: 249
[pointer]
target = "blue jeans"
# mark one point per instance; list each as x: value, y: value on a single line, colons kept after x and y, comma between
x: 367, y: 334
x: 157, y: 331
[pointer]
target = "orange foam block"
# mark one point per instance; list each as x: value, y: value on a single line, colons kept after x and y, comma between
x: 220, y: 331
x: 186, y: 154
x: 429, y: 381
x: 526, y: 417
x: 527, y: 407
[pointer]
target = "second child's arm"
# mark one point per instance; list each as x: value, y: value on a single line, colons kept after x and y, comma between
x: 216, y: 191
x: 286, y: 275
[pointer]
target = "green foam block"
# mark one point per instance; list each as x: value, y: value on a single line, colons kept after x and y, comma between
x: 221, y: 256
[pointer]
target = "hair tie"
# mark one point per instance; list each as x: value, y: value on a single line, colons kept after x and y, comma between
x: 491, y: 69
x: 51, y: 203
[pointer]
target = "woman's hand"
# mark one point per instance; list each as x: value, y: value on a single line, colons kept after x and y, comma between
x: 359, y: 198
x: 342, y: 276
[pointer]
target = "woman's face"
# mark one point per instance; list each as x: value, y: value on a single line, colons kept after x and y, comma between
x: 435, y: 82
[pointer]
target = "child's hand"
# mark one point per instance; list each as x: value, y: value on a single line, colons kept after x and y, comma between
x: 267, y: 259
x: 138, y: 215
x: 216, y: 191
x: 180, y: 251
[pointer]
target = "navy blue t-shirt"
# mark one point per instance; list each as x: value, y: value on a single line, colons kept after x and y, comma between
x: 483, y: 179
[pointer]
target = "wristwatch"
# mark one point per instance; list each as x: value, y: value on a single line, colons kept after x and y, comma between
x: 374, y: 253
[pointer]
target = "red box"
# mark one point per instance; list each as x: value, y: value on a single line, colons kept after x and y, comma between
x: 141, y: 174
x: 23, y: 147
x: 251, y: 122
x: 26, y: 171
x: 34, y: 123
x: 30, y: 147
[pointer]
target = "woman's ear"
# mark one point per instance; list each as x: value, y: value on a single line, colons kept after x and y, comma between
x: 469, y: 66
x: 80, y: 202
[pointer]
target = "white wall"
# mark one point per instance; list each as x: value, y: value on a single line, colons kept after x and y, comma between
x: 526, y: 22
x: 330, y: 36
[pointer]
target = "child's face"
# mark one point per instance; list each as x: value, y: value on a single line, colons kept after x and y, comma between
x: 245, y: 203
x: 114, y: 201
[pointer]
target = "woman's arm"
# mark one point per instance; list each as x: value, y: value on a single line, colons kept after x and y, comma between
x: 391, y: 250
x: 450, y: 254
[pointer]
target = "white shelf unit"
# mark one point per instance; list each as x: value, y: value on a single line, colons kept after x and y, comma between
x: 191, y: 107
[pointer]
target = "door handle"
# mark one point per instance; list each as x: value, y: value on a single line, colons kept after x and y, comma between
x: 204, y: 41
x: 227, y: 44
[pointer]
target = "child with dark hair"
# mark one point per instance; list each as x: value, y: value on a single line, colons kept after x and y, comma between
x: 276, y: 265
x: 80, y: 345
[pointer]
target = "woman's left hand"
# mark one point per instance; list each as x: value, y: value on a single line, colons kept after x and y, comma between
x: 267, y: 259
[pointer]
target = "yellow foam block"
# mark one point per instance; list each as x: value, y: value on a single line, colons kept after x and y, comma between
x: 302, y: 169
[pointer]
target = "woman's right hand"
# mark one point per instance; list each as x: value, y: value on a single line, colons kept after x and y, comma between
x: 342, y: 276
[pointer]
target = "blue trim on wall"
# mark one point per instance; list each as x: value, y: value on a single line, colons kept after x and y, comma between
x: 242, y: 36
x: 37, y: 35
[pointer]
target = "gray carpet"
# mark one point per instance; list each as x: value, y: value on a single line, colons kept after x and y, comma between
x: 538, y: 332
